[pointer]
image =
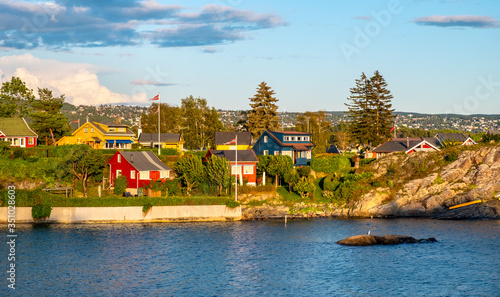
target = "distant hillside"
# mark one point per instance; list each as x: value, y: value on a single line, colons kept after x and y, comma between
x: 130, y: 115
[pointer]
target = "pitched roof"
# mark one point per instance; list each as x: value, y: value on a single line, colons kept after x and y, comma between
x: 243, y: 155
x: 127, y: 132
x: 458, y: 137
x: 244, y: 138
x: 164, y: 137
x: 15, y: 127
x: 405, y: 144
x: 144, y: 161
x: 333, y: 149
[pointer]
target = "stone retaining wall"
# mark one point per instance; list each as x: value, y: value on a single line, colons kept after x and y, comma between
x: 128, y: 214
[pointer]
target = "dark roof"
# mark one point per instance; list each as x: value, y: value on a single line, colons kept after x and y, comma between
x: 493, y: 131
x: 15, y: 127
x: 243, y: 155
x: 164, y: 137
x: 300, y: 145
x: 333, y: 149
x: 244, y: 138
x: 404, y: 144
x: 112, y: 124
x: 459, y: 137
x: 144, y: 161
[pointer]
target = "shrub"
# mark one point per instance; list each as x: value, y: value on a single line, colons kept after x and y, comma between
x: 121, y: 183
x: 169, y: 152
x: 451, y: 157
x: 304, y: 187
x: 41, y: 210
x: 146, y: 207
x: 304, y: 171
x: 329, y: 165
x: 232, y: 203
x: 376, y: 184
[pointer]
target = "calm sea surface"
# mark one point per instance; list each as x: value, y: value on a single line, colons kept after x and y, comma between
x: 259, y: 258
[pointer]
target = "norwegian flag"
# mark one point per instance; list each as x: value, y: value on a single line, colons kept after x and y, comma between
x: 393, y: 127
x: 157, y: 97
x: 231, y: 142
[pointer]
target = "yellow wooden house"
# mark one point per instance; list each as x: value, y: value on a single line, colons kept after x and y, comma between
x: 167, y: 140
x: 101, y: 136
x: 227, y: 140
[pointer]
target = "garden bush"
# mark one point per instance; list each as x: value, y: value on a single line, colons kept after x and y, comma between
x: 329, y: 165
x: 121, y: 183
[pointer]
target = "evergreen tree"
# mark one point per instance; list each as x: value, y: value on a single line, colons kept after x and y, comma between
x: 48, y: 121
x: 264, y: 113
x: 370, y: 110
x: 15, y: 98
x: 316, y: 124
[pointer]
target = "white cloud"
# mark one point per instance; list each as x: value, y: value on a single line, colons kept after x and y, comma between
x: 77, y: 81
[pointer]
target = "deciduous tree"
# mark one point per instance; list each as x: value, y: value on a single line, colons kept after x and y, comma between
x: 15, y: 98
x: 190, y: 169
x: 218, y: 171
x: 84, y: 163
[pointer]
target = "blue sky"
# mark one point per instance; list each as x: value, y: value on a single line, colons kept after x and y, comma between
x: 437, y: 56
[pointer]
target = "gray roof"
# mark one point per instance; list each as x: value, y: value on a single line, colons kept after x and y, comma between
x: 244, y: 138
x: 144, y: 161
x: 146, y: 138
x: 459, y: 137
x: 493, y: 131
x: 243, y: 155
x: 403, y: 144
x: 333, y: 149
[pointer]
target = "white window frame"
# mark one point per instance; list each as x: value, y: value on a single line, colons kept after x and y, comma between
x: 265, y: 152
x: 276, y: 153
x: 248, y: 169
x: 265, y: 138
x: 143, y: 175
x: 234, y: 169
x: 293, y: 138
x: 287, y: 138
x: 287, y: 153
x: 92, y: 130
x: 31, y: 141
x: 119, y: 158
x: 164, y: 174
x: 132, y: 174
x: 118, y: 173
x: 85, y: 130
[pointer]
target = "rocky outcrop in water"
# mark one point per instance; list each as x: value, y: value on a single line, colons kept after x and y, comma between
x: 474, y: 175
x: 367, y: 240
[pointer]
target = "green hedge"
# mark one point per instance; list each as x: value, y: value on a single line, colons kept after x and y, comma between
x: 27, y: 198
x: 329, y: 165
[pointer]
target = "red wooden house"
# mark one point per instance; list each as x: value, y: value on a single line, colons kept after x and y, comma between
x: 17, y: 132
x: 140, y: 168
x: 247, y: 163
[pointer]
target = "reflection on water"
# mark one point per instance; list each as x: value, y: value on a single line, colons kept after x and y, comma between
x: 260, y: 258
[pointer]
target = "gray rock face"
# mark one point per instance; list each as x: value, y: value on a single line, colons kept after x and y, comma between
x: 474, y: 175
x: 367, y: 240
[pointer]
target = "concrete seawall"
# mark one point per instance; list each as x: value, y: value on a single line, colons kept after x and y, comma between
x: 128, y: 214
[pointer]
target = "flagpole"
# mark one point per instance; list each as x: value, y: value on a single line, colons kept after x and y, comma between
x: 159, y: 143
x: 237, y: 171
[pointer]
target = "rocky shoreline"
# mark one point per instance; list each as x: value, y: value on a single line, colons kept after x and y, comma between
x: 474, y: 175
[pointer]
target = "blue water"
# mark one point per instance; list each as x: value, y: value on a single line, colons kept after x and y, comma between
x: 258, y: 258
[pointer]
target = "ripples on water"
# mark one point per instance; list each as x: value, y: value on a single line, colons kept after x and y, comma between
x: 259, y: 258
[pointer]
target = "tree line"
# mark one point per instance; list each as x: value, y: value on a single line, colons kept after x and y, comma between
x: 370, y: 116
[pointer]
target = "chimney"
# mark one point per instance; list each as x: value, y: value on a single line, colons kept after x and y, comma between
x: 131, y: 158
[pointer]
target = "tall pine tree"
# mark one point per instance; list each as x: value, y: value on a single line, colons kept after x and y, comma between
x: 369, y: 110
x: 264, y: 113
x: 48, y: 121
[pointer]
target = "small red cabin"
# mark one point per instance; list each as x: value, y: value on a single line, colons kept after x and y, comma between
x: 140, y: 168
x: 17, y: 132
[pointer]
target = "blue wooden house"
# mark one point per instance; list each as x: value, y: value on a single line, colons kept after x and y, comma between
x: 296, y: 145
